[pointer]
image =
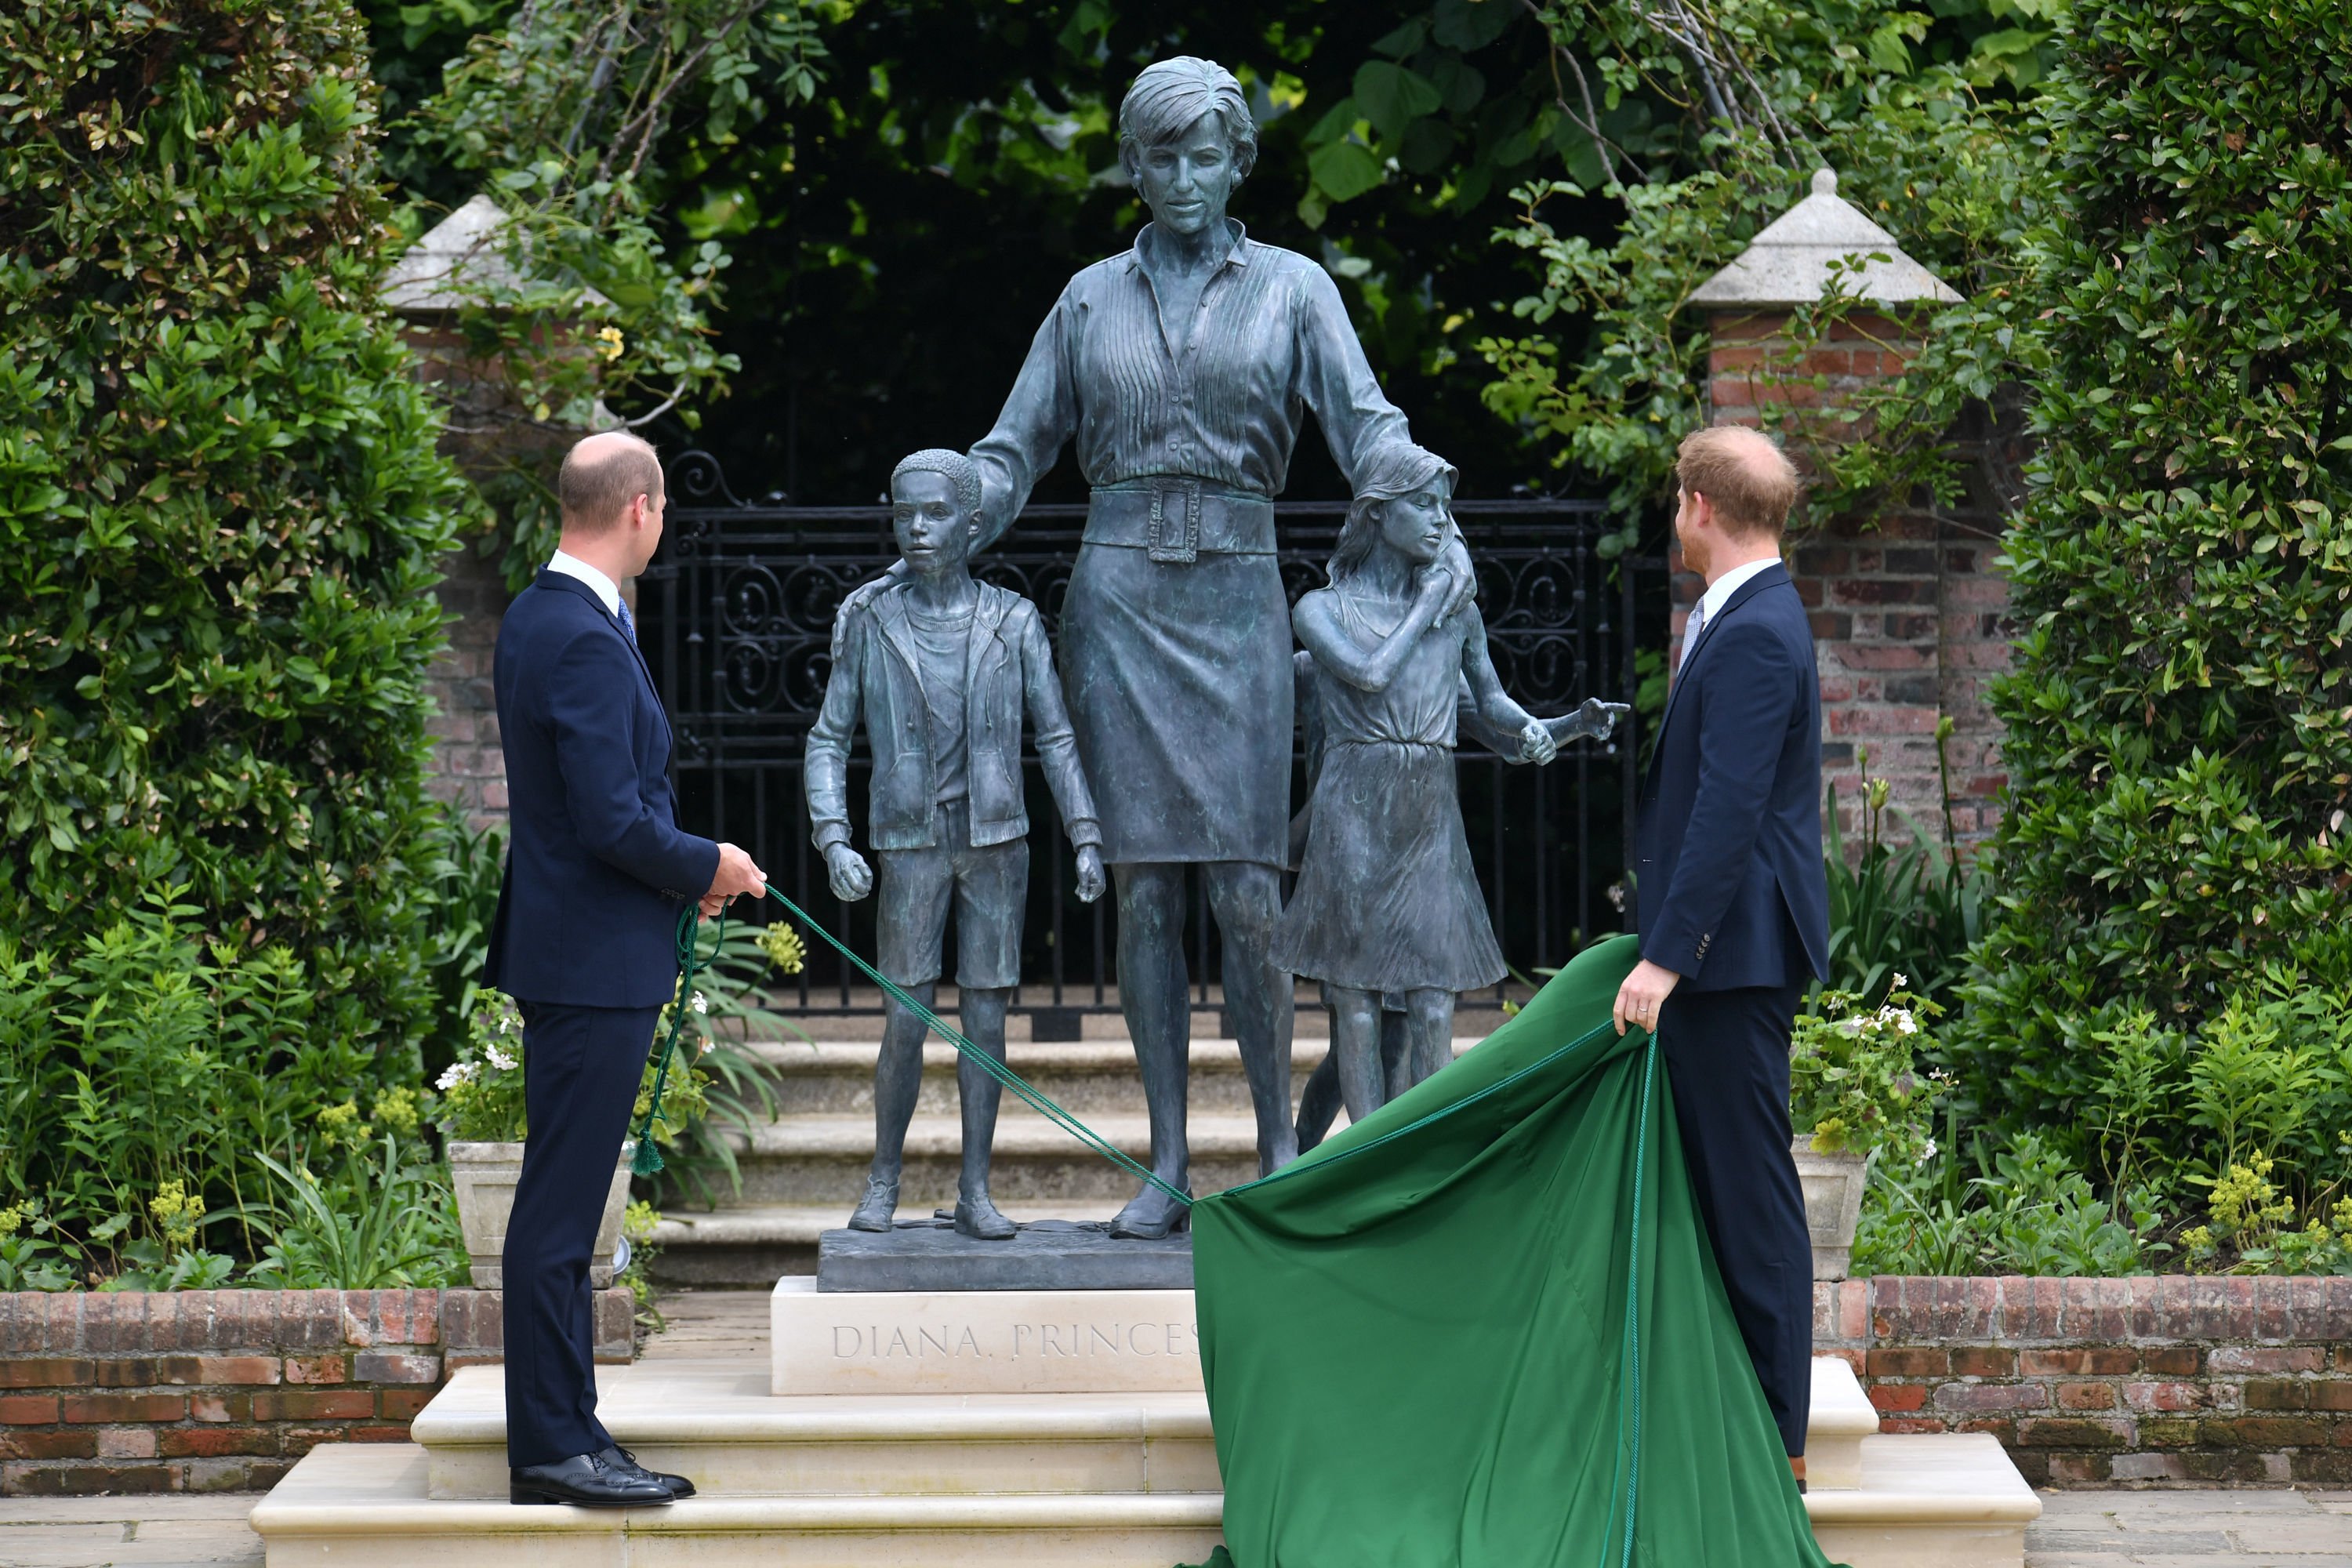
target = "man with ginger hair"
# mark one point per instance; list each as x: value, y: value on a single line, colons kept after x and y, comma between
x: 584, y: 940
x: 1733, y: 903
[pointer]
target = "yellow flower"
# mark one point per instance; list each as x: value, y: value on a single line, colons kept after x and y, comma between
x: 783, y: 945
x: 396, y: 1109
x: 610, y: 344
x: 12, y: 1218
x: 176, y: 1210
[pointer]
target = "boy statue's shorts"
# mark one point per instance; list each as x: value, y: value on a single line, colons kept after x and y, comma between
x: 989, y: 887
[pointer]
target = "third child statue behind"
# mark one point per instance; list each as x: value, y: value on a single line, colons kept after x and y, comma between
x: 1386, y: 900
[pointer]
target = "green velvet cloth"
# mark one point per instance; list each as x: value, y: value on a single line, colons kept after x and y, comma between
x: 1416, y: 1339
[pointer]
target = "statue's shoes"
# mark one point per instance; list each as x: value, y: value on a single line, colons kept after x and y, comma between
x: 1151, y: 1215
x: 978, y: 1218
x: 875, y: 1209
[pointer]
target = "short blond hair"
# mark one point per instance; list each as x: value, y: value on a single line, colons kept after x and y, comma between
x: 602, y: 474
x: 1749, y: 480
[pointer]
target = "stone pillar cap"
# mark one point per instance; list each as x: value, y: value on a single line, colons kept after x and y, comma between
x: 1789, y: 263
x: 458, y: 261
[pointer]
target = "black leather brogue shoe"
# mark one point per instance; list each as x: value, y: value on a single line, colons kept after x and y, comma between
x: 586, y: 1480
x: 621, y: 1458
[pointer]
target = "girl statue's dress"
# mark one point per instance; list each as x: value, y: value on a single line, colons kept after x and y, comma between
x: 1386, y: 898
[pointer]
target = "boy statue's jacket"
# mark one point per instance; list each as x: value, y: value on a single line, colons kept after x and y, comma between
x: 1006, y: 663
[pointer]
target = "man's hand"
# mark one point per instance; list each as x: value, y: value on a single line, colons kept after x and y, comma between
x: 1644, y: 996
x: 1090, y: 873
x: 736, y: 875
x: 1536, y: 744
x: 846, y: 870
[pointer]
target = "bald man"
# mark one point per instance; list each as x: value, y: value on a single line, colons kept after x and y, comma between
x: 584, y: 940
x: 1733, y: 903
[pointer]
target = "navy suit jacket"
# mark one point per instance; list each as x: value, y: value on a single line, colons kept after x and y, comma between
x: 1731, y: 889
x: 596, y: 869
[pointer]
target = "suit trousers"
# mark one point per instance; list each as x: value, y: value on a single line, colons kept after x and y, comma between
x: 1727, y: 1057
x: 582, y: 1067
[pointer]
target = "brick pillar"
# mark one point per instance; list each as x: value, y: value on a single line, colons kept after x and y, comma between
x: 1909, y: 610
x: 469, y: 770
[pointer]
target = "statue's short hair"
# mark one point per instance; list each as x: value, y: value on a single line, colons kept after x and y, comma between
x: 1171, y: 94
x: 1748, y: 478
x: 960, y: 471
x: 602, y: 474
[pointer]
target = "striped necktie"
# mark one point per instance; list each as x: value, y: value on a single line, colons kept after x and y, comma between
x: 628, y: 622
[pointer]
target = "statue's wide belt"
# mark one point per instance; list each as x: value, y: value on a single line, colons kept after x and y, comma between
x: 1176, y: 520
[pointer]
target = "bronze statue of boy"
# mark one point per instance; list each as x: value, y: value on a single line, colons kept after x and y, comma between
x: 940, y: 666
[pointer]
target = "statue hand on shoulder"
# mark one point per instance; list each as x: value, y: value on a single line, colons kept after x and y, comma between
x: 1090, y: 873
x: 846, y: 870
x: 857, y: 600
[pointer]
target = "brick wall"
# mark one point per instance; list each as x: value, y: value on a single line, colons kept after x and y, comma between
x: 2095, y: 1382
x: 469, y: 770
x: 1910, y: 614
x: 223, y: 1389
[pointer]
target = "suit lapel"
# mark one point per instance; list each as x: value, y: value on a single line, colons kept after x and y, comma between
x: 573, y: 584
x: 1776, y: 572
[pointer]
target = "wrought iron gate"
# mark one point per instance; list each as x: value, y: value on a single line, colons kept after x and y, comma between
x: 737, y: 615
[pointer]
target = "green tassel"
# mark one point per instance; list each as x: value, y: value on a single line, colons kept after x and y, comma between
x: 647, y: 1162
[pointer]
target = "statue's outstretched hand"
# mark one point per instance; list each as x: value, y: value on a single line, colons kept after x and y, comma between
x: 1595, y: 718
x: 1091, y: 880
x: 846, y: 870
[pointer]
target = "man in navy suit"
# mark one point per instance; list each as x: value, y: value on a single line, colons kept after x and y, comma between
x: 1734, y: 902
x: 584, y: 940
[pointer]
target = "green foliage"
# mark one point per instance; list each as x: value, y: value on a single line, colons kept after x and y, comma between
x: 371, y: 1223
x: 1897, y: 910
x: 587, y: 310
x: 2180, y: 714
x: 1853, y: 1080
x: 2034, y: 1212
x: 222, y: 510
x: 155, y: 1059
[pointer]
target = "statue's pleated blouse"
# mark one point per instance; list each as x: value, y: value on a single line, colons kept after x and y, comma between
x: 1221, y: 401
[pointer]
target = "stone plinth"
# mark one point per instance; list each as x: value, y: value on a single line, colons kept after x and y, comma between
x: 1045, y: 1255
x: 982, y: 1342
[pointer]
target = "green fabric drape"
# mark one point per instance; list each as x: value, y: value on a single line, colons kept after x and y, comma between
x: 1418, y: 1343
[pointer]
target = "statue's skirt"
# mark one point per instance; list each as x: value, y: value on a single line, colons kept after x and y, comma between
x: 1178, y: 674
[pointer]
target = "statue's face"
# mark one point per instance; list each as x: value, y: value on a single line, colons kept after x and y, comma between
x: 934, y: 531
x: 1187, y: 182
x: 1414, y: 526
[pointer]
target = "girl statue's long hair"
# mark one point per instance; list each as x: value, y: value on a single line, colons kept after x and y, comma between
x: 1393, y: 471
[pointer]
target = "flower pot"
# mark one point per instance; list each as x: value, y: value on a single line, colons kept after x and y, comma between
x: 484, y: 1176
x: 1832, y: 1186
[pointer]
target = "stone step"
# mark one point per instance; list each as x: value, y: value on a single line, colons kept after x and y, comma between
x: 812, y: 1160
x: 1083, y: 1077
x: 1945, y: 1502
x: 366, y: 1505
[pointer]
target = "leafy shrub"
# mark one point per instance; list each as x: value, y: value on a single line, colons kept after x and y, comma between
x: 1899, y: 910
x: 222, y: 510
x: 2033, y: 1212
x: 1853, y: 1080
x: 377, y: 1221
x: 2180, y: 712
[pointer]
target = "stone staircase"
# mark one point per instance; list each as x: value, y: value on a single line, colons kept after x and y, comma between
x: 1062, y: 1480
x: 803, y: 1172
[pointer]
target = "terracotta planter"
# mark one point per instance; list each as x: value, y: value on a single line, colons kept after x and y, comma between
x: 1832, y: 1205
x: 484, y: 1175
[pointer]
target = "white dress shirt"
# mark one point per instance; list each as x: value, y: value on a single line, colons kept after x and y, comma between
x: 608, y: 592
x: 1711, y: 603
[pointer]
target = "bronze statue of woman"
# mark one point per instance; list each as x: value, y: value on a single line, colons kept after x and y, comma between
x: 1182, y: 368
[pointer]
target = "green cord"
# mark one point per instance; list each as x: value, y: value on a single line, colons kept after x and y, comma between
x: 648, y: 1159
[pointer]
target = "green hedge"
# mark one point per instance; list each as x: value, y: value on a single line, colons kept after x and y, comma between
x: 2181, y: 713
x: 223, y: 512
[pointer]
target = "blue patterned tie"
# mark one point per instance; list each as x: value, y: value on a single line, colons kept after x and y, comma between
x: 628, y: 622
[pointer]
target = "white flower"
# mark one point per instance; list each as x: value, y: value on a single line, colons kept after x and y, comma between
x: 455, y: 1074
x: 709, y: 1044
x: 499, y: 1059
x: 1851, y: 1027
x: 699, y: 1003
x: 1905, y: 1024
x: 1928, y: 1152
x: 1902, y: 982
